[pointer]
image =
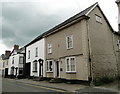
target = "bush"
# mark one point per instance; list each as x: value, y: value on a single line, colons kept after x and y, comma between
x: 101, y: 81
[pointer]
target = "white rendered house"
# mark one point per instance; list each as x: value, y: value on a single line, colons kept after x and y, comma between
x: 35, y: 58
x: 16, y: 61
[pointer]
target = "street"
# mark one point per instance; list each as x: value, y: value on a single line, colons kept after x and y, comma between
x: 9, y: 85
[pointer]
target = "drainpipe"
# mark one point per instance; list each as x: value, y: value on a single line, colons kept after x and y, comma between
x: 89, y: 54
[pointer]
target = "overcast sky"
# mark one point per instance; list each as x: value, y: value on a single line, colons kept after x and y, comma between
x: 23, y: 20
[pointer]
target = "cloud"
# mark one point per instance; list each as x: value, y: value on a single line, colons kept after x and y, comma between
x: 23, y: 20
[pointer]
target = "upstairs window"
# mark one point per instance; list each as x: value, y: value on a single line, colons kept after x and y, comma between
x: 98, y: 19
x: 118, y: 44
x: 36, y: 52
x: 21, y: 60
x: 49, y: 48
x: 69, y: 42
x: 49, y: 66
x: 13, y: 60
x: 29, y: 54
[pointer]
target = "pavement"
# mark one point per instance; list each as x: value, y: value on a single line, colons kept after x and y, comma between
x: 67, y: 87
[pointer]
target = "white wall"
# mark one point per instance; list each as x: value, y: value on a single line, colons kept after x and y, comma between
x: 16, y: 63
x: 41, y: 55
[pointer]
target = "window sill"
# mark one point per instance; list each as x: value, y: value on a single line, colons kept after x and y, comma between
x: 34, y: 71
x: 69, y: 48
x: 49, y: 71
x: 71, y: 72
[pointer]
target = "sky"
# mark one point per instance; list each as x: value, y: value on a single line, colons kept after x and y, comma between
x: 23, y: 20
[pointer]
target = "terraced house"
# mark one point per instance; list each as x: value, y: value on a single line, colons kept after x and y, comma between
x: 81, y: 48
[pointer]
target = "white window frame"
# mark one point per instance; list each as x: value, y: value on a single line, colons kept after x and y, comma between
x: 28, y: 54
x: 35, y: 66
x: 118, y: 44
x: 70, y: 64
x: 19, y: 71
x: 13, y: 60
x: 20, y: 60
x: 49, y: 48
x: 98, y: 18
x: 67, y: 42
x: 36, y: 52
x: 48, y: 66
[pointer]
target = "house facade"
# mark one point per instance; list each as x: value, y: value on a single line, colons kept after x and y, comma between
x: 16, y: 62
x: 81, y: 48
x: 4, y: 62
x: 35, y: 57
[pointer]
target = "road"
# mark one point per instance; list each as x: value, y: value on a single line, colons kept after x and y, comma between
x: 16, y: 87
x: 9, y: 85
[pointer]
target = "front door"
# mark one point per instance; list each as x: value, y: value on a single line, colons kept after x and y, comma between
x: 6, y: 72
x: 57, y: 69
x: 41, y: 69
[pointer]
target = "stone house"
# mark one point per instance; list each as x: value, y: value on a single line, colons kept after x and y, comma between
x: 81, y: 48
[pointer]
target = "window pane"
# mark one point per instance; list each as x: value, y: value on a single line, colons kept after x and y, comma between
x: 72, y: 64
x: 68, y: 66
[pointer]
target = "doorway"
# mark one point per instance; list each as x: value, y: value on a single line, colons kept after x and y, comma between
x: 57, y: 69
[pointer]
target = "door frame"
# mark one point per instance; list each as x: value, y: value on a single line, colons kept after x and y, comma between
x: 55, y: 69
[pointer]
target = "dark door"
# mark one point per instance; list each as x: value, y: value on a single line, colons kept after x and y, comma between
x: 57, y: 68
x: 41, y: 69
x: 27, y: 69
x: 6, y: 72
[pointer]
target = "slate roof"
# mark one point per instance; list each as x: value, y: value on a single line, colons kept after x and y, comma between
x: 117, y: 1
x: 82, y: 15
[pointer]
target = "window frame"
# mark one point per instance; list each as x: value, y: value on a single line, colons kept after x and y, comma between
x: 20, y: 60
x: 98, y: 18
x: 48, y: 66
x: 35, y: 66
x: 28, y: 54
x: 36, y: 52
x: 13, y: 60
x: 70, y: 65
x: 49, y: 48
x: 67, y: 42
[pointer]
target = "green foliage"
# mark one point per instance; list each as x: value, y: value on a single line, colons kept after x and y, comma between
x: 104, y: 80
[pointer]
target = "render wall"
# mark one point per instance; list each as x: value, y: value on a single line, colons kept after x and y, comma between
x: 102, y: 48
x: 79, y: 51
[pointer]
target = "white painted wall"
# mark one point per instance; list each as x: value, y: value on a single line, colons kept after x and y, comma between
x: 41, y: 54
x: 16, y: 63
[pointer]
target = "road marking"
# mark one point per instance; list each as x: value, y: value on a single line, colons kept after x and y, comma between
x: 45, y: 87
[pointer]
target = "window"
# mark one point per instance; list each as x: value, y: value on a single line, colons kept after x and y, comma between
x: 49, y: 66
x: 29, y: 54
x: 118, y: 44
x: 7, y: 63
x: 13, y: 60
x: 98, y: 19
x: 3, y: 64
x: 20, y: 70
x: 35, y: 66
x: 21, y: 60
x: 69, y: 41
x: 36, y: 52
x: 70, y: 64
x: 49, y: 48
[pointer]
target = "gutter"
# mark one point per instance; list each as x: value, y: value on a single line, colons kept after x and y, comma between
x: 89, y: 55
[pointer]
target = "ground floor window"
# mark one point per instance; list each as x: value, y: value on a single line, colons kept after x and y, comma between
x: 20, y: 70
x: 35, y: 66
x: 49, y: 65
x: 70, y: 64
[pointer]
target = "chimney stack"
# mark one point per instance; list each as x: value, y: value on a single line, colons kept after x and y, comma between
x: 16, y: 47
x: 7, y: 52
